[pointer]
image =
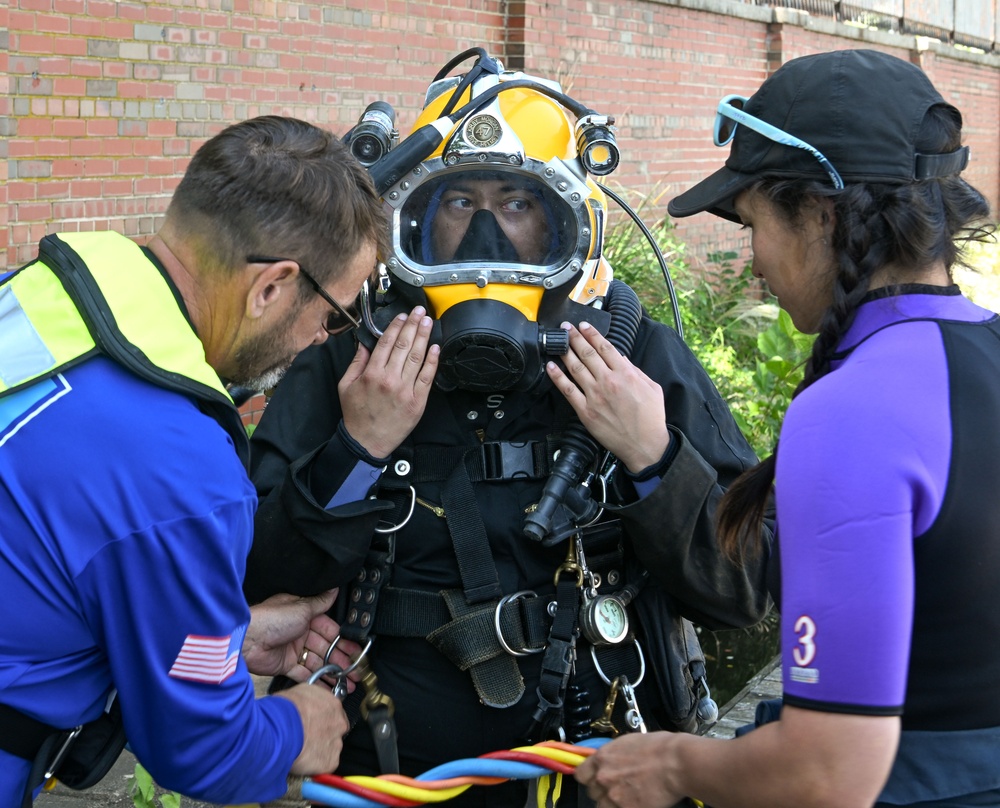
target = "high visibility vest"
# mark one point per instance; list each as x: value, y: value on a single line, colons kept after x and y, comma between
x: 97, y: 293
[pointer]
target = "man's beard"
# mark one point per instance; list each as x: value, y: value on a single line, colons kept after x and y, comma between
x: 263, y: 359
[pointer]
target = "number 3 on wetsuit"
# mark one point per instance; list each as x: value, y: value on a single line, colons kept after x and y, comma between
x: 805, y: 651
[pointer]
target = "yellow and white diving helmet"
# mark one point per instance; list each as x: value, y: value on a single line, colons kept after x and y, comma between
x: 497, y: 228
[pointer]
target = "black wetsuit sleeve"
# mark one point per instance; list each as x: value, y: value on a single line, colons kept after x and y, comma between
x: 297, y: 461
x: 672, y: 529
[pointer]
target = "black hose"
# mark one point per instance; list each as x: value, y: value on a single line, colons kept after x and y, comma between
x: 578, y: 448
x: 671, y: 293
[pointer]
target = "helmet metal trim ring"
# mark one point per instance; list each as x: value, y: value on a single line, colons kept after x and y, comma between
x: 558, y: 181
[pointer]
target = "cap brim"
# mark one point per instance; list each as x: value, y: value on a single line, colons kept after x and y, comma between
x: 714, y: 194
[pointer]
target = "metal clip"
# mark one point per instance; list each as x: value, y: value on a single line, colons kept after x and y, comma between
x: 374, y: 697
x: 335, y: 671
x: 70, y: 739
x: 604, y: 724
x: 632, y: 715
x: 338, y: 673
x: 377, y: 710
x: 571, y: 565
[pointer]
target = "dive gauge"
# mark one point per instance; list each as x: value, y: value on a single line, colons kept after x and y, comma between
x: 603, y: 620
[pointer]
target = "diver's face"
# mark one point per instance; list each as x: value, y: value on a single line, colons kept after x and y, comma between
x: 516, y: 209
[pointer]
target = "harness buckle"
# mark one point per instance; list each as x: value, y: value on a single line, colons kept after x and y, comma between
x: 506, y: 460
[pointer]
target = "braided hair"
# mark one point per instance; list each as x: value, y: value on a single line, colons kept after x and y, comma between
x: 902, y: 228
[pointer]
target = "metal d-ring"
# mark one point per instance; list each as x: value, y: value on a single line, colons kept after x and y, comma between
x: 524, y: 593
x: 354, y: 663
x: 394, y: 528
x: 603, y: 675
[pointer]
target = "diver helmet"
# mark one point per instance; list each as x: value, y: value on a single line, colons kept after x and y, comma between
x: 496, y: 225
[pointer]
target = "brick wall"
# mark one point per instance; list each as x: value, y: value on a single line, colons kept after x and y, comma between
x: 103, y: 102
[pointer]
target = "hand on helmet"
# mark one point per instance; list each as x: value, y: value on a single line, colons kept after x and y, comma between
x: 621, y: 407
x: 384, y: 391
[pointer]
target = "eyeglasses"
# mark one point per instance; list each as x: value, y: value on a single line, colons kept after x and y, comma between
x: 730, y: 114
x: 335, y: 319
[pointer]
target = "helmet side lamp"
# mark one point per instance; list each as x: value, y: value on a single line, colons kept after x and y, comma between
x: 596, y: 145
x: 374, y: 134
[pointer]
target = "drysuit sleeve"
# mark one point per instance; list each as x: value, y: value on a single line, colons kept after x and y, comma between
x: 672, y: 527
x: 307, y: 538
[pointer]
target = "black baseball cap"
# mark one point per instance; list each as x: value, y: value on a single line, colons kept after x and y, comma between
x: 861, y: 109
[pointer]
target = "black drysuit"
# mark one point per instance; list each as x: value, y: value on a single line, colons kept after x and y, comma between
x: 299, y: 460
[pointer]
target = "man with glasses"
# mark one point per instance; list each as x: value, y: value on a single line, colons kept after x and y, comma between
x: 128, y: 513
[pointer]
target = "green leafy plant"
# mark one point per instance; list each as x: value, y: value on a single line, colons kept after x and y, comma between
x: 784, y: 351
x: 144, y: 790
x: 980, y: 281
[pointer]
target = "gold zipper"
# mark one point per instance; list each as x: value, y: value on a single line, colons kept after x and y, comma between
x: 437, y: 510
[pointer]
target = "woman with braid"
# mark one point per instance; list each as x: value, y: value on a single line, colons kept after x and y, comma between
x: 888, y: 519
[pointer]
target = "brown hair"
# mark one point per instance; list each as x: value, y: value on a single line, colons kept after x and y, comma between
x: 282, y: 187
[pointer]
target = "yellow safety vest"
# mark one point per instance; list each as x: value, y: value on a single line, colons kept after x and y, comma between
x: 98, y: 293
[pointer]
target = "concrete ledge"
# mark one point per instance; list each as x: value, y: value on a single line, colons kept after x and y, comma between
x: 741, y: 707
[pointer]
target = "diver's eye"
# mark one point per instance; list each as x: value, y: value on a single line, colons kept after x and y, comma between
x: 458, y: 203
x: 519, y: 205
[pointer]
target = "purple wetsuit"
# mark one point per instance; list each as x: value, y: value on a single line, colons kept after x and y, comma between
x: 889, y: 532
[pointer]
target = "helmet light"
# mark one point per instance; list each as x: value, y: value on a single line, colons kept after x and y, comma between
x: 596, y: 145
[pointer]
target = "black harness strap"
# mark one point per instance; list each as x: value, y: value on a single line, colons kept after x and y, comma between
x: 363, y: 599
x: 365, y: 590
x: 489, y: 461
x: 557, y: 661
x: 524, y: 621
x: 79, y: 757
x: 468, y: 537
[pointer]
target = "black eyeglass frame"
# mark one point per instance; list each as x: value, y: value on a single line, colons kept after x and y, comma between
x: 354, y: 321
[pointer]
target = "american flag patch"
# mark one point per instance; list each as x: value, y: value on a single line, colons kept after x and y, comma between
x: 207, y: 659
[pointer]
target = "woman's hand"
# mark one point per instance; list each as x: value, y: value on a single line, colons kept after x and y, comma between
x: 384, y: 392
x: 627, y: 773
x: 621, y: 407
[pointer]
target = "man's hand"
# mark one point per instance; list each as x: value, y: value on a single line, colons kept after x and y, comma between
x: 384, y: 392
x: 291, y: 635
x: 621, y: 407
x: 324, y: 724
x: 628, y: 772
